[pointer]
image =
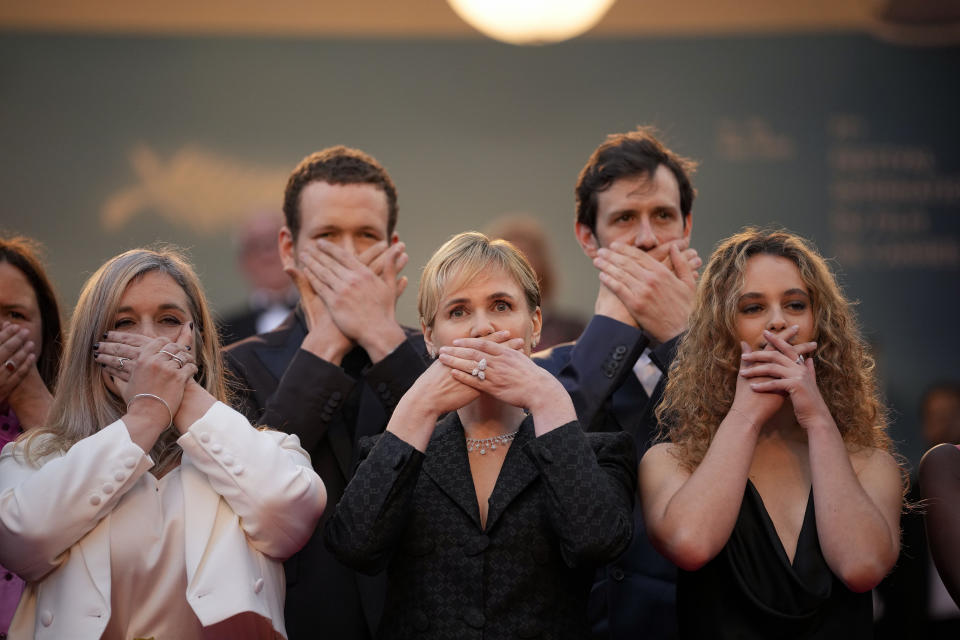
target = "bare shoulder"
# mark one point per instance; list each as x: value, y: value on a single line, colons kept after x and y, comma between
x: 661, y: 462
x: 871, y: 461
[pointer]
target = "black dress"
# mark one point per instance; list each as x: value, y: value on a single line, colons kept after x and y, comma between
x: 752, y: 591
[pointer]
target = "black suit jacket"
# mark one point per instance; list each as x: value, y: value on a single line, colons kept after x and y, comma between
x: 330, y: 408
x: 561, y: 507
x: 635, y: 596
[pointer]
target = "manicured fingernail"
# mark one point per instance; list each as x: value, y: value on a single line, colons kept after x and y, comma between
x: 188, y: 347
x: 96, y: 345
x: 104, y: 336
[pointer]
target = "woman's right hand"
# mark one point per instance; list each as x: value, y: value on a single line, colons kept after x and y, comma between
x: 17, y: 356
x: 759, y: 406
x: 146, y: 369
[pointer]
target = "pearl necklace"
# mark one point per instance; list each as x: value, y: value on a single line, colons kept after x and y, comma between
x: 483, y: 444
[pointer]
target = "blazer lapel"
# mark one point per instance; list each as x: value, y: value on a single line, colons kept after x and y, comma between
x: 200, y: 512
x: 95, y: 550
x: 276, y: 356
x: 517, y: 472
x: 447, y: 465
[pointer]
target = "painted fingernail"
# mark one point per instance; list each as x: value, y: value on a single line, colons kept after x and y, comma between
x: 188, y: 347
x: 104, y: 336
x: 96, y: 345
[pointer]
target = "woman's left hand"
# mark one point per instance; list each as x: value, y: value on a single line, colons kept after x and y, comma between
x: 792, y: 373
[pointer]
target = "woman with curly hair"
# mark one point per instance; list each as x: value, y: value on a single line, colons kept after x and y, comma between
x: 777, y: 493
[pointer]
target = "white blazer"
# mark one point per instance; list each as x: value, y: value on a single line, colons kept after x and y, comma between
x: 251, y: 499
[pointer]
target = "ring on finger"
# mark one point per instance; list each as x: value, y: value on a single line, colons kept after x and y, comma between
x: 10, y: 366
x: 175, y: 357
x: 482, y: 365
x: 799, y: 359
x: 121, y: 361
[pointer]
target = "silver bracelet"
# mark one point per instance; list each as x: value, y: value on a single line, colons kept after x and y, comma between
x: 155, y: 397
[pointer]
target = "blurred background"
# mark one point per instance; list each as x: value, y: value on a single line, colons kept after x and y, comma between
x: 127, y: 123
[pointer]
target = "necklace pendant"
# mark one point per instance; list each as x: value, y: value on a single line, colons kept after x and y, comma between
x: 483, y: 452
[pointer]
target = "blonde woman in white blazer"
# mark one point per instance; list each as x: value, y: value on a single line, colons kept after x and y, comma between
x: 148, y: 508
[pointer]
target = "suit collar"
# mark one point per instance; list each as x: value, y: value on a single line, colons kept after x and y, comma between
x: 280, y: 345
x: 517, y: 472
x: 448, y: 466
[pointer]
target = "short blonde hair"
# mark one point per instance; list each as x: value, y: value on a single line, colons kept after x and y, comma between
x: 462, y: 258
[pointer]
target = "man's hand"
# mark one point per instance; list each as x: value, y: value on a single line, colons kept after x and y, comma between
x: 324, y: 339
x: 360, y: 302
x: 656, y: 288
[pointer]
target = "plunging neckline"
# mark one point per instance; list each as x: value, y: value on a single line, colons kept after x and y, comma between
x: 772, y: 529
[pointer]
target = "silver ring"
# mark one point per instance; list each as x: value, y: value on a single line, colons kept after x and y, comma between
x: 482, y: 365
x: 177, y: 358
x: 10, y: 366
x: 122, y: 361
x: 799, y: 359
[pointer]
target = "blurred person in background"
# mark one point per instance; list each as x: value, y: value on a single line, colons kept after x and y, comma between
x: 272, y: 296
x: 30, y: 346
x: 528, y: 235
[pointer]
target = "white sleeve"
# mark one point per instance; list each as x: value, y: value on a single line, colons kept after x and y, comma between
x: 265, y: 477
x: 44, y: 511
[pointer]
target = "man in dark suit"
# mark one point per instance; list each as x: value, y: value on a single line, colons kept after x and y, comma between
x: 633, y: 202
x: 334, y: 370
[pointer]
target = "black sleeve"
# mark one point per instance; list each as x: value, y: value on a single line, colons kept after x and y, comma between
x: 395, y: 374
x: 374, y: 510
x: 591, y: 481
x: 306, y: 401
x: 597, y: 365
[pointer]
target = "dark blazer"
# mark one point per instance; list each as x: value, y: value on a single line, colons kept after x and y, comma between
x: 635, y: 596
x: 330, y: 408
x: 561, y: 507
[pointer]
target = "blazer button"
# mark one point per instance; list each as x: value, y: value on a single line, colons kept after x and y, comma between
x: 204, y: 437
x: 119, y: 476
x: 382, y: 387
x: 95, y: 500
x: 46, y: 618
x: 258, y: 585
x: 228, y: 461
x: 474, y: 617
x: 476, y: 545
x: 107, y: 488
x: 617, y: 574
x: 620, y: 350
x: 216, y: 447
x: 545, y: 455
x: 130, y: 462
x: 336, y: 395
x: 419, y: 620
x: 238, y: 470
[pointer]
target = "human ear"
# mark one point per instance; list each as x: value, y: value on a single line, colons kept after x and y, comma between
x: 288, y: 252
x: 428, y: 339
x: 587, y: 239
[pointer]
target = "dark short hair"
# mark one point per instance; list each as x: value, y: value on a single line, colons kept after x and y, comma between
x: 337, y: 165
x: 24, y: 254
x: 625, y: 155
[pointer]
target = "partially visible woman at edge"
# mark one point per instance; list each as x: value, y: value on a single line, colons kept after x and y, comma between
x: 30, y: 347
x: 489, y: 521
x: 777, y: 494
x: 147, y: 507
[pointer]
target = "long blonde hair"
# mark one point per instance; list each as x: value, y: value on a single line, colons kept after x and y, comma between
x: 702, y: 380
x: 83, y: 405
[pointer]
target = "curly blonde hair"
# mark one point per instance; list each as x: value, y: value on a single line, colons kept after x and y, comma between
x: 702, y: 380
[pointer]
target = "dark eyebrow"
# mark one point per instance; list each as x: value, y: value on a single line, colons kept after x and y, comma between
x: 796, y: 292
